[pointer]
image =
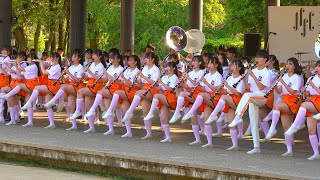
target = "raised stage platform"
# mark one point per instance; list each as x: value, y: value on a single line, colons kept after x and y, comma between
x: 150, y: 159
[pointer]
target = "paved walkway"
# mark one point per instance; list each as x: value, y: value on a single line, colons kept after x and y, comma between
x: 269, y: 162
x: 17, y: 172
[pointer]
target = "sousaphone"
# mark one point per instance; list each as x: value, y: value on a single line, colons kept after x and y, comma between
x: 195, y: 41
x: 176, y: 38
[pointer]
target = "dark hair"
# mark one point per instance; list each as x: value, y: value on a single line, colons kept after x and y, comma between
x: 117, y: 55
x: 22, y: 55
x: 173, y: 65
x: 152, y: 55
x: 33, y: 56
x: 200, y: 59
x: 136, y: 59
x: 318, y: 63
x: 102, y: 59
x: 77, y: 52
x: 276, y: 64
x: 129, y: 51
x: 114, y: 50
x: 239, y: 64
x: 215, y: 60
x: 90, y: 51
x: 232, y: 50
x: 297, y: 67
x: 174, y: 56
x: 59, y: 49
x: 262, y: 54
x: 222, y: 48
x: 44, y: 53
x: 57, y: 55
x: 225, y: 60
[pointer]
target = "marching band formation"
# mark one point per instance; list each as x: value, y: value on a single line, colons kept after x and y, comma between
x: 205, y: 88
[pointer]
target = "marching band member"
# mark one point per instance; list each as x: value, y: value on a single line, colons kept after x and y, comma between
x: 125, y: 95
x: 166, y: 100
x: 192, y: 80
x: 149, y: 75
x: 30, y: 74
x: 43, y: 78
x: 233, y: 89
x: 16, y: 78
x: 210, y: 84
x: 289, y: 87
x: 309, y: 108
x: 73, y: 73
x: 112, y: 75
x: 54, y: 72
x: 225, y: 65
x: 88, y: 93
x: 258, y: 82
x: 88, y: 57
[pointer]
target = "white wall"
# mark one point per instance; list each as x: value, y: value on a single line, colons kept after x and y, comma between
x: 289, y: 38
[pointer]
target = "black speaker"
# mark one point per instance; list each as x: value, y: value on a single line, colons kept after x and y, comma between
x: 252, y: 44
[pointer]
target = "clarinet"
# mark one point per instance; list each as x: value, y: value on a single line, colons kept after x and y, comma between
x: 180, y: 81
x: 303, y: 90
x: 114, y: 80
x: 154, y: 84
x: 135, y: 79
x: 196, y: 86
x: 274, y: 86
x: 242, y: 77
x: 79, y: 81
x: 63, y: 73
x: 219, y: 88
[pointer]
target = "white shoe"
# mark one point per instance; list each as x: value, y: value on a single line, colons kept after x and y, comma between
x: 233, y: 148
x: 195, y: 143
x: 147, y: 137
x: 235, y: 122
x: 287, y: 154
x: 254, y: 151
x: 50, y: 126
x: 301, y: 127
x: 49, y: 104
x: 187, y: 116
x: 267, y: 118
x: 26, y: 106
x: 217, y: 135
x: 175, y: 118
x: 317, y: 116
x: 111, y: 133
x: 11, y: 123
x: 4, y: 97
x: 166, y: 140
x: 126, y: 118
x: 90, y: 114
x: 107, y: 114
x: 148, y: 117
x: 72, y: 128
x: 314, y: 157
x: 75, y: 115
x: 211, y: 120
x: 248, y: 132
x: 127, y: 135
x: 90, y: 130
x: 27, y: 125
x: 270, y: 134
x: 291, y: 131
x: 207, y: 146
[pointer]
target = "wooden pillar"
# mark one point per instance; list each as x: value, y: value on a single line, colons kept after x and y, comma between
x: 127, y: 25
x: 195, y: 14
x: 5, y: 22
x: 77, y: 25
x: 266, y: 31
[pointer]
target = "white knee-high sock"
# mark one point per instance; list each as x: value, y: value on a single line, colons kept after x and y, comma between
x: 153, y: 107
x: 96, y: 102
x: 218, y: 108
x: 59, y: 94
x: 180, y: 103
x: 113, y: 103
x: 13, y: 92
x: 128, y: 126
x: 275, y: 119
x: 201, y: 123
x: 134, y: 104
x: 234, y: 137
x: 219, y: 127
x: 33, y: 96
x: 208, y: 129
x: 12, y: 114
x: 79, y: 105
x: 110, y: 123
x: 30, y: 116
x: 17, y: 112
x: 318, y: 130
x: 314, y: 144
x: 50, y: 116
x: 289, y: 142
x: 119, y: 115
x: 91, y: 122
x: 195, y: 129
x: 148, y: 125
x: 299, y: 117
x: 197, y: 103
x: 166, y: 129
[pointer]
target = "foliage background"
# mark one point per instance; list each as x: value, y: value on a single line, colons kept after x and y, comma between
x: 44, y: 25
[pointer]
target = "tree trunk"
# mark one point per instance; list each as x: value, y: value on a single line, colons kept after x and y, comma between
x: 66, y: 34
x: 60, y: 33
x: 21, y: 38
x: 93, y: 40
x: 36, y: 37
x: 53, y: 42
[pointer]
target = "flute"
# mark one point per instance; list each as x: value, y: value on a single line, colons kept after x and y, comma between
x: 219, y: 88
x: 155, y: 83
x: 274, y: 86
x: 196, y: 86
x: 114, y: 80
x: 84, y: 73
x: 303, y: 90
